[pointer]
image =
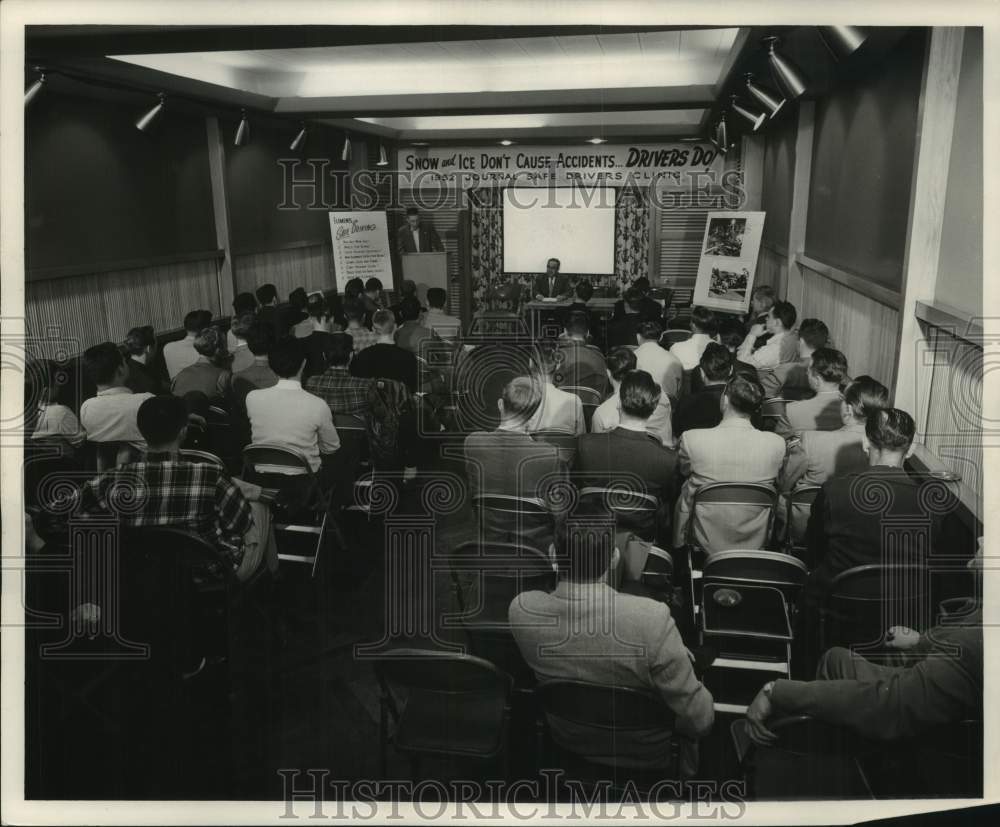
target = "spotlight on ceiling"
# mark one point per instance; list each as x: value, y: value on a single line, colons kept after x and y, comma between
x: 419, y: 143
x: 842, y: 41
x: 786, y: 73
x: 714, y: 142
x: 596, y: 140
x: 720, y: 132
x: 143, y: 123
x: 768, y: 98
x: 32, y: 91
x: 756, y: 118
x: 299, y: 139
x: 345, y: 151
x: 242, y: 131
x: 506, y: 142
x: 383, y: 159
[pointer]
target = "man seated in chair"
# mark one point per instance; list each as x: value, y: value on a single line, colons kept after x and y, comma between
x: 732, y: 451
x: 703, y: 408
x: 111, y: 415
x: 580, y: 364
x: 607, y: 416
x: 167, y: 490
x: 765, y: 351
x: 210, y: 374
x: 385, y: 359
x: 412, y: 332
x: 827, y: 372
x: 558, y: 410
x: 345, y: 394
x: 657, y: 361
x: 704, y: 330
x: 790, y: 380
x: 565, y: 635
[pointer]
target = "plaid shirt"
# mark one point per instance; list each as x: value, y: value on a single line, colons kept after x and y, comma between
x: 345, y: 394
x: 362, y: 337
x: 162, y: 490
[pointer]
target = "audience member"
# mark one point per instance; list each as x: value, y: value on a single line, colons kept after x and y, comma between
x: 580, y: 364
x: 259, y: 374
x: 205, y: 375
x: 761, y: 301
x: 345, y: 394
x: 178, y: 355
x: 242, y: 357
x: 385, y: 359
x: 704, y: 329
x: 407, y: 290
x: 445, y: 326
x: 790, y: 380
x: 297, y: 314
x: 780, y: 320
x: 243, y: 304
x: 565, y: 635
x: 354, y: 312
x: 559, y: 410
x: 621, y: 329
x: 353, y: 290
x: 607, y: 416
x: 827, y: 372
x: 551, y: 284
x: 411, y: 335
x: 373, y: 297
x: 54, y: 420
x: 638, y: 303
x: 141, y: 346
x: 703, y: 408
x: 732, y: 451
x: 111, y: 415
x: 731, y: 337
x: 287, y: 415
x: 319, y: 318
x: 661, y: 364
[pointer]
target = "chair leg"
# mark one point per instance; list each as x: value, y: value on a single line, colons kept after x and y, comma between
x: 319, y: 543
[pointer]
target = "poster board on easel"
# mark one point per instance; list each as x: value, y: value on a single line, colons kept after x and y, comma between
x: 728, y: 264
x: 360, y: 247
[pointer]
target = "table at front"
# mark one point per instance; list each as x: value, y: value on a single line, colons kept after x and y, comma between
x: 533, y: 311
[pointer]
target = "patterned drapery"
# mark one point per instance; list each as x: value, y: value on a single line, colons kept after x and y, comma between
x: 492, y: 289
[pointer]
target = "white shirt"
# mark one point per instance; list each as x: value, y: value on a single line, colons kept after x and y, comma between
x: 690, y: 350
x: 287, y: 415
x: 59, y: 421
x: 559, y: 411
x: 662, y: 365
x: 231, y: 341
x: 416, y: 239
x: 768, y: 356
x: 111, y: 416
x: 608, y: 416
x: 242, y: 357
x: 179, y: 355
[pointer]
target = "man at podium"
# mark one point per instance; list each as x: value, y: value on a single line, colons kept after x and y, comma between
x: 416, y: 237
x: 552, y: 284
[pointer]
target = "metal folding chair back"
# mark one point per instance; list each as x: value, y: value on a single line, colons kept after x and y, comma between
x: 799, y: 507
x: 749, y: 498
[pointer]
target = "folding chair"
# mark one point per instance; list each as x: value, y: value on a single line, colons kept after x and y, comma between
x: 565, y: 442
x: 457, y: 705
x: 608, y: 711
x: 273, y: 464
x: 771, y: 411
x: 587, y: 394
x: 524, y: 520
x: 201, y: 458
x: 633, y: 510
x: 799, y: 507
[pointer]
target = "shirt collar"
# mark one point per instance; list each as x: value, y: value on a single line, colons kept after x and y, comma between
x: 735, y: 422
x: 289, y: 383
x: 635, y: 429
x: 574, y: 590
x: 114, y: 391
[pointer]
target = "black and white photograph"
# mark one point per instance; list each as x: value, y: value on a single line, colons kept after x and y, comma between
x: 508, y: 412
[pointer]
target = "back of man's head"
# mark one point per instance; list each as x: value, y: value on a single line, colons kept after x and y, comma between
x: 731, y: 333
x: 197, y: 320
x: 408, y: 288
x: 409, y: 309
x: 576, y: 324
x: 242, y: 324
x: 259, y: 337
x: 764, y: 295
x: 704, y: 321
x: 140, y: 338
x: 384, y: 323
x: 716, y: 362
x: 267, y: 293
x: 639, y: 394
x: 649, y: 331
x: 584, y: 290
x: 814, y: 334
x: 101, y: 362
x: 354, y: 311
x: 745, y: 395
x: 244, y: 303
x: 633, y: 297
x: 582, y: 556
x: 620, y: 361
x: 210, y: 342
x: 437, y: 297
x: 298, y: 298
x: 338, y: 349
x: 161, y: 419
x: 521, y: 397
x: 829, y: 365
x: 863, y: 395
x: 353, y: 289
x: 784, y: 312
x: 373, y: 285
x: 286, y: 358
x: 642, y: 285
x: 890, y: 429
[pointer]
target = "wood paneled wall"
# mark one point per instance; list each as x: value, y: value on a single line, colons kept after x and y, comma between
x: 71, y: 314
x: 772, y: 269
x: 310, y: 267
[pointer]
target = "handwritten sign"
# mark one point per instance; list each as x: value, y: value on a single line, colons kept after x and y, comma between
x: 360, y: 247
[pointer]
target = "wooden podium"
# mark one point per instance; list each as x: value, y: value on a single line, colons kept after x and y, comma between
x: 427, y: 270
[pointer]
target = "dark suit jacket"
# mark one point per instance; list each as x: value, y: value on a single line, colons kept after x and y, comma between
x: 430, y: 241
x: 143, y: 379
x: 698, y: 410
x: 382, y: 361
x: 542, y: 286
x: 581, y: 364
x: 650, y: 310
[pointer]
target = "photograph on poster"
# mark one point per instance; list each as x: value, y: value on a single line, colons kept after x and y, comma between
x: 728, y: 262
x: 728, y: 285
x: 725, y: 237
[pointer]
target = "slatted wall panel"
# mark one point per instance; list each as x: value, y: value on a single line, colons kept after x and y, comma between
x: 861, y: 328
x: 954, y: 405
x: 772, y: 269
x: 87, y: 310
x: 445, y: 220
x: 309, y: 267
x: 681, y: 230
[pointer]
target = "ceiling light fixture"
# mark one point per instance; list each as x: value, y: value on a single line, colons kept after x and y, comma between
x: 596, y: 140
x: 720, y: 132
x: 756, y: 118
x: 243, y: 130
x: 842, y: 41
x: 32, y: 91
x: 143, y: 123
x: 786, y: 74
x: 345, y: 152
x: 383, y: 159
x: 506, y: 142
x: 298, y: 140
x: 768, y: 98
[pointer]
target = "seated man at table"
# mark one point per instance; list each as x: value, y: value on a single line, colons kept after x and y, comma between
x: 827, y: 372
x: 790, y: 380
x: 580, y: 364
x: 551, y: 284
x: 559, y: 410
x: 563, y: 635
x: 621, y: 361
x: 703, y: 408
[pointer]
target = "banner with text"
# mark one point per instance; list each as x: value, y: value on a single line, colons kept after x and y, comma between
x: 668, y: 166
x: 360, y: 247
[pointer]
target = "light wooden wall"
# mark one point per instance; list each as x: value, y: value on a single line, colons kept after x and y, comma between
x: 772, y: 269
x: 86, y: 310
x: 310, y: 267
x: 863, y: 329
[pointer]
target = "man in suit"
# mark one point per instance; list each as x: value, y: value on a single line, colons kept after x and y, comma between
x: 551, y: 284
x: 733, y: 451
x: 703, y: 408
x: 731, y: 336
x: 827, y: 372
x: 580, y: 364
x: 622, y: 326
x: 559, y: 410
x: 563, y: 635
x: 509, y: 462
x: 637, y: 301
x: 621, y: 362
x: 141, y: 346
x: 790, y: 380
x: 417, y: 237
x: 661, y: 364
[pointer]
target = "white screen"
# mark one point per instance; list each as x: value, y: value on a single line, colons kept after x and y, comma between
x: 576, y: 226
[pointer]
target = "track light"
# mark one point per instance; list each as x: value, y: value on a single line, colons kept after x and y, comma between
x: 596, y: 140
x: 720, y: 132
x: 786, y: 73
x: 768, y: 98
x: 383, y: 160
x: 297, y: 141
x: 243, y: 130
x: 345, y: 152
x: 752, y: 115
x: 714, y: 142
x: 143, y: 123
x: 32, y: 91
x: 842, y: 41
